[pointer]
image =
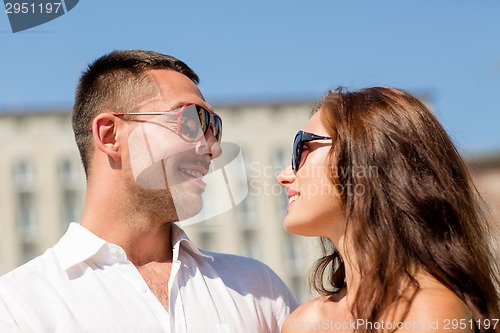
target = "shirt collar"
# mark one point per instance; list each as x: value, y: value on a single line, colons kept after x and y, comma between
x: 79, y: 244
x: 179, y: 237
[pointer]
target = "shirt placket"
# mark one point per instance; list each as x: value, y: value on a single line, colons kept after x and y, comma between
x: 137, y: 282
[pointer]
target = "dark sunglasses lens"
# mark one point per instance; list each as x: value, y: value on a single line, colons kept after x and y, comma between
x: 218, y: 128
x: 206, y: 119
x: 297, y: 151
x: 192, y: 123
x: 204, y: 116
x: 195, y: 121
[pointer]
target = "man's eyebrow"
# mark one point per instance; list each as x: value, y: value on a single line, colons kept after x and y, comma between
x: 177, y: 106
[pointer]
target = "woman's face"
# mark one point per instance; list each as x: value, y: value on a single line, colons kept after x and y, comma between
x: 314, y: 204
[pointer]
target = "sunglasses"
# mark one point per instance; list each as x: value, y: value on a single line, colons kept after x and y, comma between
x: 298, y: 146
x: 193, y: 121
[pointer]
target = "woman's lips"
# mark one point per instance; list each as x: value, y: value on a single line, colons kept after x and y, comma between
x: 293, y: 196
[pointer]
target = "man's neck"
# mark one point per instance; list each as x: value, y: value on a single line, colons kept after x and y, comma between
x: 111, y: 213
x: 143, y: 241
x: 150, y: 245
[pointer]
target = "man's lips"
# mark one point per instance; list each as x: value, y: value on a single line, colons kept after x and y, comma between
x: 194, y: 174
x: 194, y: 167
x: 193, y: 171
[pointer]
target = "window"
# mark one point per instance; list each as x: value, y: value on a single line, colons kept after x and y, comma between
x: 24, y: 176
x: 26, y: 216
x: 246, y: 211
x: 298, y: 287
x: 250, y: 246
x: 293, y: 249
x: 71, y: 201
x: 28, y: 251
x: 69, y: 175
x: 207, y: 240
x: 71, y: 207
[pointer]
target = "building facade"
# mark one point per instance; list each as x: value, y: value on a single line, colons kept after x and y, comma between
x: 42, y: 183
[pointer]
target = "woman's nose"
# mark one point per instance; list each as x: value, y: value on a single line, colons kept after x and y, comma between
x: 286, y: 177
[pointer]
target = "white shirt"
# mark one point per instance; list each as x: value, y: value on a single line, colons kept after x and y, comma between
x: 85, y: 284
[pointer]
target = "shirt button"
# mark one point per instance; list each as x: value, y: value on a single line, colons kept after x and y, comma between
x: 141, y: 288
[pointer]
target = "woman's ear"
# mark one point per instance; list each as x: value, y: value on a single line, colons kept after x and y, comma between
x: 105, y: 135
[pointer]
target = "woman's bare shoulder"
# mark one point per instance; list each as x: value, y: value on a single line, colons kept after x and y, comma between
x: 435, y: 308
x: 312, y: 316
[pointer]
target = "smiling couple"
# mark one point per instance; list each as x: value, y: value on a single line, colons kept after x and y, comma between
x: 410, y: 247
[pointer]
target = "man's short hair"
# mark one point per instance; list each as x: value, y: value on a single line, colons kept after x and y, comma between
x: 116, y: 82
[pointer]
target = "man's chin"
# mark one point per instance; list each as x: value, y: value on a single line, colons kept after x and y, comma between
x: 188, y: 206
x: 185, y: 214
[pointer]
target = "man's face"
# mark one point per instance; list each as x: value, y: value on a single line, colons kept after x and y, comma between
x: 168, y: 170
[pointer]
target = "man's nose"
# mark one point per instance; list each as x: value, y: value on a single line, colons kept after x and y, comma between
x: 209, y: 145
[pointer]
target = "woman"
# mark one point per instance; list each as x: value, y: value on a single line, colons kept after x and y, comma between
x: 377, y: 177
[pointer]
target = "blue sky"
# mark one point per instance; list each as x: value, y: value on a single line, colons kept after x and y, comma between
x: 279, y: 50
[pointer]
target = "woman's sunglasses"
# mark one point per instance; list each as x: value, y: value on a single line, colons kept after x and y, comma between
x: 193, y: 121
x: 298, y: 146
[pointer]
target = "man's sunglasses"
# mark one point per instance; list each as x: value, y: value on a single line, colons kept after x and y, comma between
x: 193, y: 121
x: 298, y: 146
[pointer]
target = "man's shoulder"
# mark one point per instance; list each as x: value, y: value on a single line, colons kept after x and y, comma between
x: 41, y: 266
x: 245, y: 272
x: 237, y: 262
x: 250, y: 276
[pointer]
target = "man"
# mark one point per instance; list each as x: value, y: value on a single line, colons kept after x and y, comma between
x: 127, y: 267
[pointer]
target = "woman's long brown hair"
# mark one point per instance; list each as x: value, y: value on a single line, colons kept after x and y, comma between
x: 409, y: 205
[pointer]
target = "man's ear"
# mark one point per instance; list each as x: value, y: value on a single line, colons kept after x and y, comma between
x: 105, y: 135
